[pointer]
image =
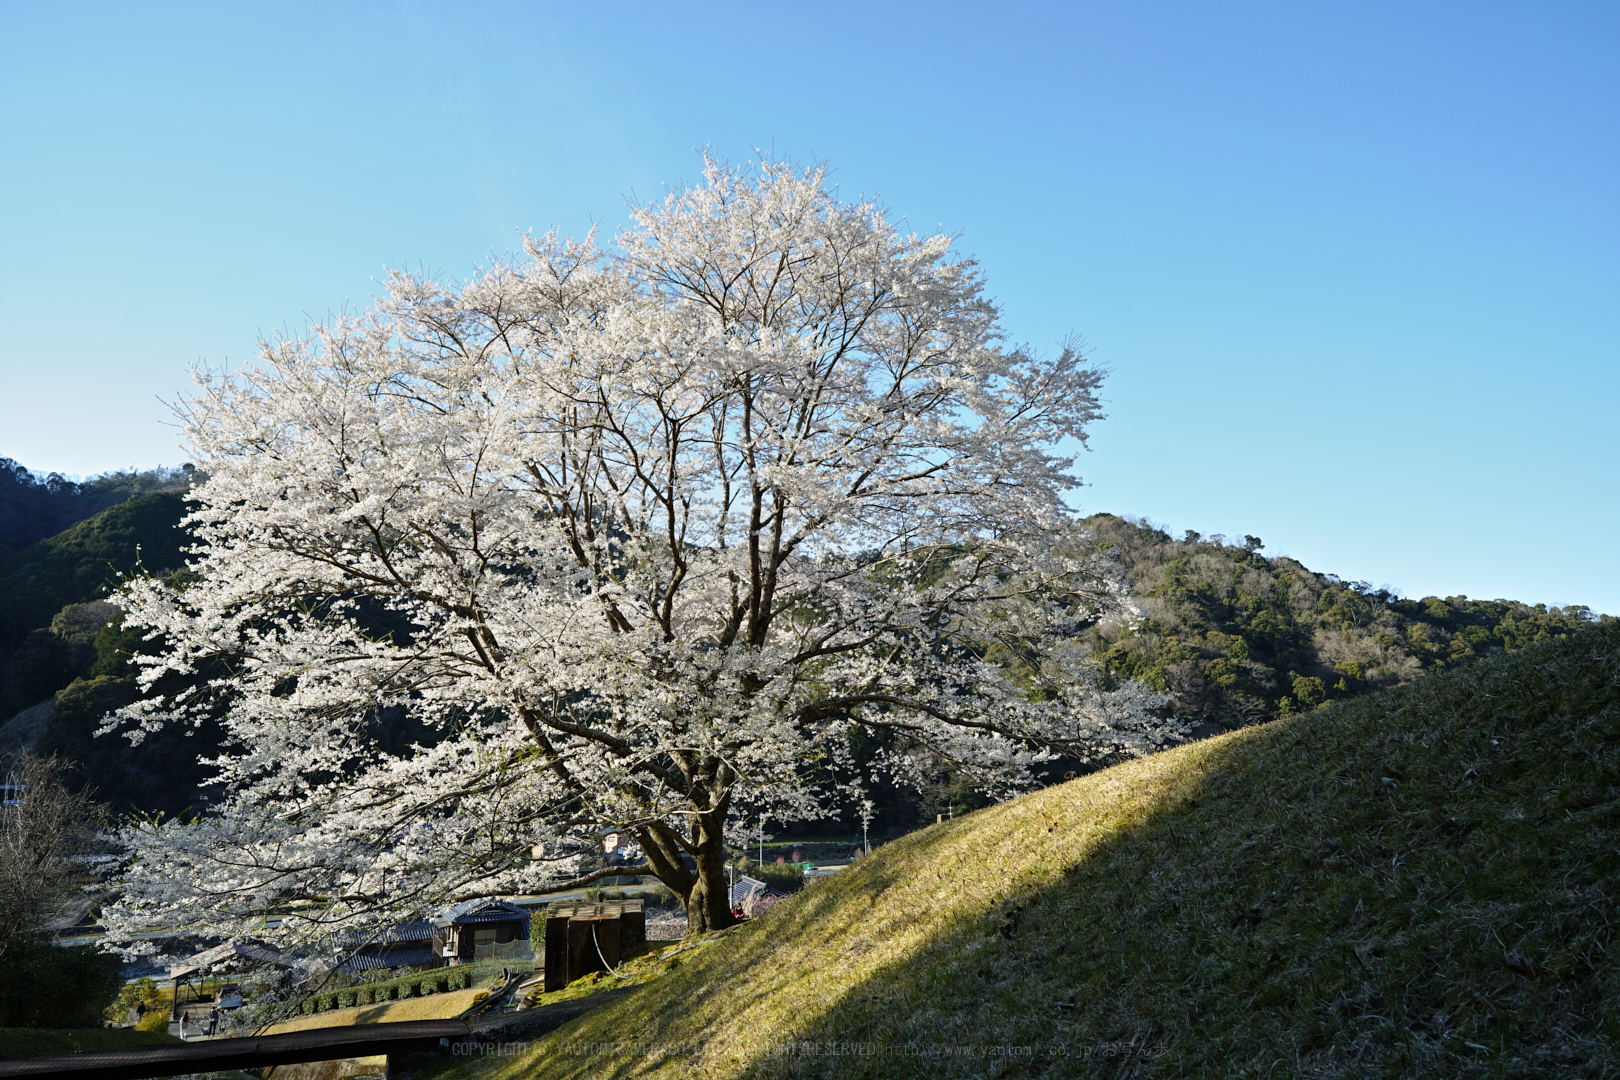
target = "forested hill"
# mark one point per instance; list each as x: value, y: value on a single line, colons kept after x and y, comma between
x: 64, y: 661
x: 33, y: 507
x: 80, y: 564
x: 1236, y: 638
x: 1239, y: 638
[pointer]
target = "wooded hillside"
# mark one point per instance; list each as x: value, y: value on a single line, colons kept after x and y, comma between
x: 33, y: 507
x: 1239, y: 638
x: 1234, y: 636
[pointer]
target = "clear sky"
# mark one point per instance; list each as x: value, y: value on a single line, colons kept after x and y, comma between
x: 1355, y: 267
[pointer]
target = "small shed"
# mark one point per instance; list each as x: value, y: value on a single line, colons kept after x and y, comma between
x: 582, y: 938
x: 480, y: 929
x: 484, y: 929
x: 224, y: 956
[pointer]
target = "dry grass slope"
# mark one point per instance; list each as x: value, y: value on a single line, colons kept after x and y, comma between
x: 1418, y: 883
x: 433, y: 1007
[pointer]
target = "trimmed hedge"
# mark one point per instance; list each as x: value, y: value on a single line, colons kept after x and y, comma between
x: 407, y: 986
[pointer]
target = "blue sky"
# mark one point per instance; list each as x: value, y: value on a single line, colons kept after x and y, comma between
x: 1355, y: 267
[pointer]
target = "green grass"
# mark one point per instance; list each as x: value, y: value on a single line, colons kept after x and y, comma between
x: 1417, y: 883
x: 42, y: 1042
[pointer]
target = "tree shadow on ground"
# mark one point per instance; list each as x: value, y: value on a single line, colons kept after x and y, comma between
x: 1420, y: 883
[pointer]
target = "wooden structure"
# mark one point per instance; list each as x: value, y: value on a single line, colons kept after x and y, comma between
x: 196, y: 967
x: 481, y: 929
x: 477, y: 930
x: 582, y: 938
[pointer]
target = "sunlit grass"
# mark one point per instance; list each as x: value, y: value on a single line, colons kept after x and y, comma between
x: 432, y: 1007
x: 1416, y: 883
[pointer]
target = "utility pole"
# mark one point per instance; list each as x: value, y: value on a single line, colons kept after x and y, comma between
x: 762, y: 839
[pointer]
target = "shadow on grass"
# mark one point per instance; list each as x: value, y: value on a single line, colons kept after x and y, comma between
x: 1417, y: 883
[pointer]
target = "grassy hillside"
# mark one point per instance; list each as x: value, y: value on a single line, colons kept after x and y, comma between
x: 436, y: 1007
x: 1420, y: 882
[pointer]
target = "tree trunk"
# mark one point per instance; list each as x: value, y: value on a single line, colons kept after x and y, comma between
x: 704, y: 890
x: 708, y: 903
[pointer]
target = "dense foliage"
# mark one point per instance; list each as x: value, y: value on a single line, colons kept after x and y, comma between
x: 58, y: 986
x: 1237, y: 638
x: 33, y: 507
x: 75, y: 566
x: 61, y: 639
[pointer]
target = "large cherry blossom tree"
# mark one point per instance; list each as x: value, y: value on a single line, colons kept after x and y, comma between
x: 640, y: 533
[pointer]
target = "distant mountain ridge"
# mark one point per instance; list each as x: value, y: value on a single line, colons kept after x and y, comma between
x: 1238, y: 638
x: 33, y: 507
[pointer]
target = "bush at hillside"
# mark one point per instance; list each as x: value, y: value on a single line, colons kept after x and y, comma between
x: 56, y: 986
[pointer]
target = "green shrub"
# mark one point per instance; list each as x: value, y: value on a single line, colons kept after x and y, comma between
x: 59, y: 986
x: 346, y: 999
x: 660, y: 896
x: 140, y: 990
x: 426, y: 987
x: 154, y: 1020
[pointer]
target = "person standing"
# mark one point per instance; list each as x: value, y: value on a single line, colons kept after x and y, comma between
x: 185, y: 1018
x: 213, y: 1020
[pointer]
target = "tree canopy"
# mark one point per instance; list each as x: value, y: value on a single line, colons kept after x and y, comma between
x: 641, y: 533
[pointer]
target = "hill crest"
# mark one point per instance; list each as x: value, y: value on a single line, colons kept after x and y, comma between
x: 1418, y: 882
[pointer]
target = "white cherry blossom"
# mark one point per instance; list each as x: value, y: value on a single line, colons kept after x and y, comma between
x: 641, y: 532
